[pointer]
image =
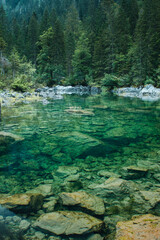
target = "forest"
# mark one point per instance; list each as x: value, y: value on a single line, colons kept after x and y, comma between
x: 79, y: 42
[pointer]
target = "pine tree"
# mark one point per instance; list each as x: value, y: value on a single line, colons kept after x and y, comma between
x: 130, y: 8
x: 45, y: 21
x: 51, y: 56
x: 4, y: 25
x: 82, y: 60
x: 33, y: 32
x: 99, y: 56
x: 15, y: 62
x: 71, y: 35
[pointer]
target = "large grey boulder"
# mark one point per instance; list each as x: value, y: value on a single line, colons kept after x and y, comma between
x: 84, y: 200
x: 146, y: 202
x: 68, y: 223
x: 114, y: 189
x: 24, y: 202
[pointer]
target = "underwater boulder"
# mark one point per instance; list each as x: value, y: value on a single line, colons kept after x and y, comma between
x: 114, y: 188
x: 68, y: 223
x: 7, y: 139
x: 24, y: 202
x: 145, y: 227
x: 133, y: 172
x: 84, y: 200
x: 146, y: 202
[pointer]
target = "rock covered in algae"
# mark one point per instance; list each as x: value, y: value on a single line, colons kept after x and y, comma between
x: 146, y: 201
x: 44, y: 189
x: 68, y: 223
x: 133, y: 172
x: 64, y: 171
x: 23, y: 202
x: 114, y: 188
x: 7, y: 139
x: 145, y: 227
x: 4, y: 136
x: 77, y: 144
x: 80, y: 111
x: 84, y: 200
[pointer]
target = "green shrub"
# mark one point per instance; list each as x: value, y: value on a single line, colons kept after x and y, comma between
x: 110, y: 81
x: 21, y: 83
x: 149, y: 81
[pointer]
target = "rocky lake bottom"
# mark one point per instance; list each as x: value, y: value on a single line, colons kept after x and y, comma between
x: 73, y: 167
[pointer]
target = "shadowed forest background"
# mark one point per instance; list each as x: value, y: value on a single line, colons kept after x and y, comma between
x: 71, y: 42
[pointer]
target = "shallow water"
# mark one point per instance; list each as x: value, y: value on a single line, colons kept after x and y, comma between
x: 112, y: 132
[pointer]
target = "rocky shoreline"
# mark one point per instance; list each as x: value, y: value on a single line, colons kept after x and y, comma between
x: 7, y: 97
x: 146, y: 93
x: 42, y: 94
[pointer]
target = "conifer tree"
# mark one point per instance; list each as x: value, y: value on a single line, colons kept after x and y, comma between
x: 51, y: 57
x: 33, y: 32
x: 71, y: 35
x: 45, y: 21
x: 82, y: 60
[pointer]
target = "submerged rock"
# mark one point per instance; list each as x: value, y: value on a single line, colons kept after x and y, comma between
x: 146, y: 202
x: 84, y: 200
x: 83, y: 144
x: 10, y: 137
x: 133, y: 172
x: 95, y: 237
x: 64, y: 171
x: 68, y: 223
x: 50, y: 205
x: 114, y: 188
x: 24, y: 202
x: 80, y: 111
x: 7, y: 139
x: 145, y: 227
x: 107, y: 174
x: 44, y: 189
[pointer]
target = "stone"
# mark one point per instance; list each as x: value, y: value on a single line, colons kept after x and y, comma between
x: 147, y: 93
x: 133, y: 172
x: 84, y: 200
x: 72, y: 178
x: 50, y: 206
x: 16, y: 219
x: 84, y: 144
x: 145, y: 227
x: 7, y: 139
x: 113, y: 188
x: 157, y: 176
x: 107, y: 174
x: 145, y: 202
x: 6, y: 136
x: 23, y: 202
x: 39, y: 235
x: 24, y: 225
x: 44, y: 189
x: 65, y: 171
x: 80, y: 111
x: 68, y: 223
x: 95, y: 237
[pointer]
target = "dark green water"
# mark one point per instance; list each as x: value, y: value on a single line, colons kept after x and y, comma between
x: 113, y: 133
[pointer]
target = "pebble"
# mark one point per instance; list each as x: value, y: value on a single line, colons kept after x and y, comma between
x: 24, y: 225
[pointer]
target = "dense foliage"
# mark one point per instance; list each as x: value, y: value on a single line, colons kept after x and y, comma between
x: 107, y: 42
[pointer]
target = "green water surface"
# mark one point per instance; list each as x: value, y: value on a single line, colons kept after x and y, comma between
x: 113, y: 132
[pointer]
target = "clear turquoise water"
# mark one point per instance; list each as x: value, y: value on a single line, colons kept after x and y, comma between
x: 115, y: 132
